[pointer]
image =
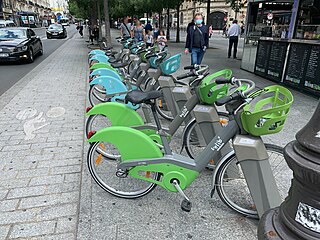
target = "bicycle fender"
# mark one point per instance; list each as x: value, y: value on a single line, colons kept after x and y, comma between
x: 99, y: 58
x: 100, y: 65
x: 106, y: 72
x: 131, y: 143
x: 96, y: 51
x: 118, y: 114
x: 110, y: 84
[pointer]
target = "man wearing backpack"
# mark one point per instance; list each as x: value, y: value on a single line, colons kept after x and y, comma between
x: 125, y: 28
x: 197, y: 40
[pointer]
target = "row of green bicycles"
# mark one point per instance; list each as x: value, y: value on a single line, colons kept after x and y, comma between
x: 135, y: 113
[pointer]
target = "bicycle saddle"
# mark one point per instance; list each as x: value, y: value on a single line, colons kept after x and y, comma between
x: 137, y: 96
x: 119, y: 65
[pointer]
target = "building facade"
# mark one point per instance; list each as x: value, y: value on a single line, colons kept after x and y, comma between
x: 59, y: 7
x: 220, y: 13
x: 22, y: 11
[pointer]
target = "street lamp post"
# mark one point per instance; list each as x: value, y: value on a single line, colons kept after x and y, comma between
x: 298, y: 217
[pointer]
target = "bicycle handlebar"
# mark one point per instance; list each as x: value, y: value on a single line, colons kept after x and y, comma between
x: 191, y: 67
x: 223, y: 80
x: 238, y: 94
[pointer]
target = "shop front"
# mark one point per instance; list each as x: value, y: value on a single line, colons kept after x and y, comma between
x: 282, y: 42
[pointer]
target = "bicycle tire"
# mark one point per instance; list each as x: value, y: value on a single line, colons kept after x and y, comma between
x: 187, y: 136
x: 130, y: 194
x: 93, y: 97
x: 107, y: 152
x: 248, y: 209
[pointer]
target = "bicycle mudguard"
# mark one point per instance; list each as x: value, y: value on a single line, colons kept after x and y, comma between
x: 100, y: 65
x: 131, y: 143
x: 110, y: 84
x: 118, y: 114
x: 106, y: 72
x: 96, y: 51
x: 134, y: 145
x: 100, y: 58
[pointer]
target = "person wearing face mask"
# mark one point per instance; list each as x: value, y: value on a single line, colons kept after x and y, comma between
x: 197, y: 40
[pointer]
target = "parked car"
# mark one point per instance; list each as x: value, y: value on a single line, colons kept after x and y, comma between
x: 56, y: 31
x: 19, y: 43
x: 7, y: 23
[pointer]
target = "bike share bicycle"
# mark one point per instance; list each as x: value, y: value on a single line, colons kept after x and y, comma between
x: 143, y: 161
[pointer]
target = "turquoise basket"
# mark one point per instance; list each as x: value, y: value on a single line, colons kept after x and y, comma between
x: 171, y: 65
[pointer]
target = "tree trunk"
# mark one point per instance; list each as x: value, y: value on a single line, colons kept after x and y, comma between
x: 178, y: 24
x: 168, y: 24
x: 208, y: 11
x: 160, y: 20
x: 99, y: 17
x: 93, y: 15
x: 107, y: 22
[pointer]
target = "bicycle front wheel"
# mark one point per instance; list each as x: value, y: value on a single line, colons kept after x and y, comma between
x: 104, y: 170
x: 232, y: 187
x: 97, y: 94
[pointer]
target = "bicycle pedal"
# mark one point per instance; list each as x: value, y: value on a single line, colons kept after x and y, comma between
x: 186, y: 205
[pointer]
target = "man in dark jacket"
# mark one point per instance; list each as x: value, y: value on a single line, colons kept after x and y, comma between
x: 197, y: 40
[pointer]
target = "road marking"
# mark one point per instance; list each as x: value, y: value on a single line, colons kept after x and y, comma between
x: 29, y: 127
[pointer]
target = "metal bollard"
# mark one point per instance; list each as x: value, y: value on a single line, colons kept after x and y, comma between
x: 298, y: 217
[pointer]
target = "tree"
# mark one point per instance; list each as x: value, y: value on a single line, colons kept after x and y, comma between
x: 107, y: 21
x: 235, y: 5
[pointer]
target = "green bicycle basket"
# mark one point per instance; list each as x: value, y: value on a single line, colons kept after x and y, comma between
x: 209, y: 91
x: 267, y: 113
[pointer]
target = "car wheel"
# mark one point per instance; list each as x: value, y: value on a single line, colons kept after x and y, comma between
x: 48, y: 37
x: 41, y: 51
x: 30, y: 56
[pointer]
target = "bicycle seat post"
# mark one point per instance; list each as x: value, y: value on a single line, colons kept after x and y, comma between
x: 163, y: 134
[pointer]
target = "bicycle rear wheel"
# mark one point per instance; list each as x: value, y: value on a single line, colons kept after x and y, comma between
x: 95, y: 123
x: 234, y: 191
x: 96, y: 94
x: 104, y: 170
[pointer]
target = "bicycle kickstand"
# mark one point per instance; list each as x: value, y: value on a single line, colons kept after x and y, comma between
x: 185, y: 204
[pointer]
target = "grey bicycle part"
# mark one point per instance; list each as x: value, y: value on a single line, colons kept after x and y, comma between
x: 104, y: 175
x: 185, y: 204
x: 234, y: 191
x: 167, y: 84
x: 96, y: 97
x: 181, y: 95
x: 254, y: 161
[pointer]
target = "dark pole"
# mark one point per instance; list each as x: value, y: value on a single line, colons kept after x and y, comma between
x: 99, y: 17
x: 168, y: 23
x: 208, y: 10
x: 178, y: 24
x: 298, y: 217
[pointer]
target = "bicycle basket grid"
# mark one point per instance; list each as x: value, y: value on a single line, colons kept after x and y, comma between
x: 209, y: 91
x: 171, y: 65
x: 267, y: 113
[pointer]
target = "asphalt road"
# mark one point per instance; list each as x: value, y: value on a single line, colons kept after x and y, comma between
x: 10, y: 73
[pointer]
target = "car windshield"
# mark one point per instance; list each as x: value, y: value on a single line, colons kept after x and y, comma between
x: 12, y: 33
x: 55, y: 27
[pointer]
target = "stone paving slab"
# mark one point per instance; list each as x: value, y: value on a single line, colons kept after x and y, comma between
x: 41, y: 144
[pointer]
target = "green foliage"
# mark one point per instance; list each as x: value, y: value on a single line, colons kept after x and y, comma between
x: 235, y: 5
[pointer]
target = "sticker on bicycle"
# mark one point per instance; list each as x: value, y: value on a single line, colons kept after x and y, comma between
x: 247, y: 141
x: 217, y: 145
x: 184, y: 112
x: 309, y: 217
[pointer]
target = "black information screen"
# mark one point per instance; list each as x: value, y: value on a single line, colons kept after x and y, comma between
x: 297, y: 63
x: 270, y: 59
x: 312, y: 77
x: 263, y: 53
x: 276, y: 61
x: 303, y: 68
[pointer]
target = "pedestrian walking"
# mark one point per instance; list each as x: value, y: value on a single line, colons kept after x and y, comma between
x: 233, y: 33
x: 138, y: 32
x: 148, y: 27
x: 161, y: 40
x: 197, y: 40
x: 80, y: 29
x: 94, y: 34
x: 190, y: 24
x: 156, y: 31
x: 125, y: 28
x: 149, y: 39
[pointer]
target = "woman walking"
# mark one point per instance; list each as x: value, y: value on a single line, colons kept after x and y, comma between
x: 138, y: 32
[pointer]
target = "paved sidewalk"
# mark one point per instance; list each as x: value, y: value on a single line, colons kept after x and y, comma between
x: 41, y: 145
